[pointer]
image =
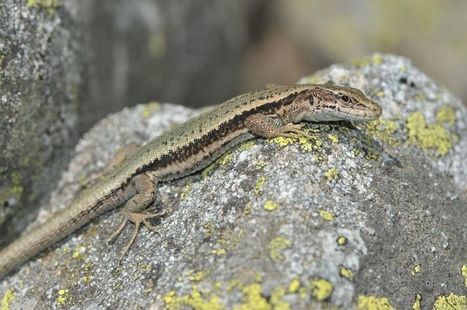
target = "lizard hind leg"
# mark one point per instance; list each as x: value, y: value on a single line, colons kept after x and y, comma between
x: 133, y: 211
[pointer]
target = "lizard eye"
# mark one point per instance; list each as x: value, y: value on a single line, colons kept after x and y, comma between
x: 345, y: 98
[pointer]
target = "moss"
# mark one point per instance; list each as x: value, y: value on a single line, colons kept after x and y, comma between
x: 331, y: 174
x: 277, y: 246
x: 346, y: 272
x: 270, y: 205
x: 417, y: 305
x: 326, y: 215
x: 341, y: 240
x: 451, y: 301
x: 63, y: 296
x: 49, y: 5
x: 464, y: 273
x: 294, y: 286
x: 195, y: 300
x: 7, y: 299
x: 431, y: 136
x: 259, y: 185
x: 368, y: 302
x: 149, y: 109
x: 321, y: 289
x: 416, y: 269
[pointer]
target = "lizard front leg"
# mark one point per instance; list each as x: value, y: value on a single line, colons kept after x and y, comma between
x: 145, y: 187
x: 271, y: 126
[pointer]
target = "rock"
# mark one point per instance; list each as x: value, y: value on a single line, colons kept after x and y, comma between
x: 40, y: 75
x: 371, y: 216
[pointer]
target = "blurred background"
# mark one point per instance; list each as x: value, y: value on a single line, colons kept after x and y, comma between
x: 201, y: 52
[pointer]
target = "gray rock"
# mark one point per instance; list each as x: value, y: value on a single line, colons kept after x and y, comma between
x: 39, y: 80
x: 365, y: 216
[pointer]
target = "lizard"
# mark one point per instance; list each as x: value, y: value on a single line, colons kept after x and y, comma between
x: 279, y: 110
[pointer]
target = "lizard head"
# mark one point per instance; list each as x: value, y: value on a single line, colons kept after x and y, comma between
x: 334, y: 103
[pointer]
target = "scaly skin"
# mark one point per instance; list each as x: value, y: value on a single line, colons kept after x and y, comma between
x: 188, y: 148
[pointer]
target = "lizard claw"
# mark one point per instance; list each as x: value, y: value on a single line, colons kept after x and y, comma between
x: 137, y: 219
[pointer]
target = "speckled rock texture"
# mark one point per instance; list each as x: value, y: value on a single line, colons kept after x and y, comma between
x: 365, y: 216
x: 39, y: 80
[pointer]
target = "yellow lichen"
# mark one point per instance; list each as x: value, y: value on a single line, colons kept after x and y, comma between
x: 434, y: 136
x: 417, y: 305
x: 197, y: 276
x: 326, y: 215
x: 464, y: 273
x: 294, y: 286
x: 246, y: 145
x: 259, y: 185
x: 49, y: 5
x: 331, y: 174
x: 270, y: 205
x: 416, y: 269
x: 384, y: 130
x: 321, y: 289
x: 333, y: 138
x: 185, y: 191
x: 149, y: 109
x: 225, y: 159
x: 78, y: 253
x: 276, y: 299
x: 253, y: 298
x: 341, y: 240
x: 276, y: 246
x: 195, y: 300
x: 447, y: 115
x: 63, y: 296
x: 368, y: 302
x: 451, y: 301
x: 283, y: 141
x: 219, y: 252
x: 7, y: 299
x: 346, y: 272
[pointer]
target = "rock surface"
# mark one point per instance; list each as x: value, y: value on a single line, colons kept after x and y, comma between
x: 370, y: 217
x: 40, y: 76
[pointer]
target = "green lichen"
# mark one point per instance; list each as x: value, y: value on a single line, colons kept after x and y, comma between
x: 49, y: 5
x: 331, y: 174
x: 313, y: 143
x: 368, y: 302
x: 451, y: 301
x: 197, y: 276
x: 270, y: 205
x: 432, y: 136
x: 78, y: 253
x: 7, y: 299
x: 196, y: 300
x: 447, y: 115
x: 13, y: 191
x: 326, y: 215
x: 333, y: 138
x: 276, y: 246
x: 253, y: 298
x: 245, y: 146
x: 321, y: 289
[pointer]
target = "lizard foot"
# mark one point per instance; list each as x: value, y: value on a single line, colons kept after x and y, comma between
x: 137, y: 219
x: 294, y: 131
